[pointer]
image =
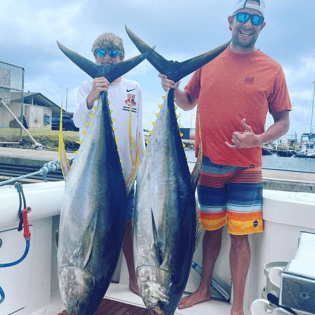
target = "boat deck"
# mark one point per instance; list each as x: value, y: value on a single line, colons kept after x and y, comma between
x: 120, y: 300
x: 110, y: 307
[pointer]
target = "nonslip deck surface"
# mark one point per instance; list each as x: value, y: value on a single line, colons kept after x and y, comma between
x: 110, y: 307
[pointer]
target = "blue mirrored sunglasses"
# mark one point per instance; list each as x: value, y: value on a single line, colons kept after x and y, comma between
x: 243, y: 17
x: 103, y: 52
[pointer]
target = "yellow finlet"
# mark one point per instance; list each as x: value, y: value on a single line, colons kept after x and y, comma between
x: 84, y: 132
x: 181, y: 134
x: 186, y: 156
x: 110, y: 111
x: 143, y: 151
x: 118, y: 149
x: 91, y: 115
x: 184, y: 145
x: 88, y: 123
x: 160, y: 106
x: 178, y: 125
x: 113, y: 120
x: 121, y: 160
x: 95, y: 107
x: 154, y: 123
x: 150, y: 132
x: 75, y: 152
x: 163, y: 97
x: 176, y: 107
x: 157, y: 115
x: 109, y: 102
x: 177, y: 116
x: 115, y: 129
x: 80, y: 141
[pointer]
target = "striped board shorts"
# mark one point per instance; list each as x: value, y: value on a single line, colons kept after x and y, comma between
x: 232, y: 195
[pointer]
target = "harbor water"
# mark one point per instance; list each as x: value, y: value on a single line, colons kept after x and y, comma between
x: 274, y: 162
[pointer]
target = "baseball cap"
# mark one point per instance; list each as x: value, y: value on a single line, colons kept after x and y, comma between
x: 240, y: 4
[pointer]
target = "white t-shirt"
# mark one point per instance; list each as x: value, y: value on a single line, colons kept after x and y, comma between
x: 120, y: 96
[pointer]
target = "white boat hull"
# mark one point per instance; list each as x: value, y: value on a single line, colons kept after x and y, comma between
x: 285, y: 215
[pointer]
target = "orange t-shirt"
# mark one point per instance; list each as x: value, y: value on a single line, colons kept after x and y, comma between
x: 232, y: 87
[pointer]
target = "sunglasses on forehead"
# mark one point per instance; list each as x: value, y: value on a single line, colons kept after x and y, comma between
x: 102, y: 52
x: 243, y: 17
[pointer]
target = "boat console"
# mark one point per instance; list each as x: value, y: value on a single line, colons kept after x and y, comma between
x: 290, y: 286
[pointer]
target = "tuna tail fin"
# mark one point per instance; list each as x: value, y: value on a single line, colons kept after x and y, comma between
x: 172, y: 69
x: 110, y: 72
x: 64, y: 163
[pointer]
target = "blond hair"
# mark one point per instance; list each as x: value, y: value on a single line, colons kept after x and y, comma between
x: 109, y: 40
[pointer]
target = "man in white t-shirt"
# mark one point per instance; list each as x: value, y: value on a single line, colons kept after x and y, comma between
x: 108, y: 49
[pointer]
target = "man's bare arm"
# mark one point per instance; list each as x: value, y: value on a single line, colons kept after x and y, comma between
x: 182, y: 99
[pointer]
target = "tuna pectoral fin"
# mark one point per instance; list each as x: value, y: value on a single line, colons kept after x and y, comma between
x: 75, y: 286
x: 156, y: 247
x: 65, y: 167
x: 172, y: 69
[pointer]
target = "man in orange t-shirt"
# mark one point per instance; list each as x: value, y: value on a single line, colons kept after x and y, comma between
x: 234, y: 92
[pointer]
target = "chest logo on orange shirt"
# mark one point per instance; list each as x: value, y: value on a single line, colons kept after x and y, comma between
x: 249, y: 79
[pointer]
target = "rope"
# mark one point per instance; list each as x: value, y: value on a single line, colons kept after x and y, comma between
x: 27, y: 235
x: 2, y: 295
x: 27, y: 248
x: 51, y: 166
x: 19, y: 189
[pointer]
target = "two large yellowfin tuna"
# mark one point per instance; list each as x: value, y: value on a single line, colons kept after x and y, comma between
x: 93, y: 218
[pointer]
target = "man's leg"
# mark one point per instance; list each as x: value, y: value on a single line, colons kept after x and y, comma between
x: 239, y: 261
x: 128, y: 252
x: 210, y: 251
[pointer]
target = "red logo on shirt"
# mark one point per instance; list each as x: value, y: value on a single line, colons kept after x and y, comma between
x: 131, y: 99
x: 249, y: 80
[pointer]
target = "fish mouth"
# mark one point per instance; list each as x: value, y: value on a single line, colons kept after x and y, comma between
x: 75, y: 286
x: 154, y: 285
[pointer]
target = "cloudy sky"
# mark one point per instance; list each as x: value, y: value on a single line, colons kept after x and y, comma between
x: 179, y: 29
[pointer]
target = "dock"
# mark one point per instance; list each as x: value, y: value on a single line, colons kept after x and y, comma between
x: 272, y: 179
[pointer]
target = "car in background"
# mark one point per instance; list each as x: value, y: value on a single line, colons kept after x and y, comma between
x: 67, y: 123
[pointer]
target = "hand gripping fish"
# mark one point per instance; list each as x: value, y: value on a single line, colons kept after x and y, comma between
x: 165, y: 212
x: 92, y: 221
